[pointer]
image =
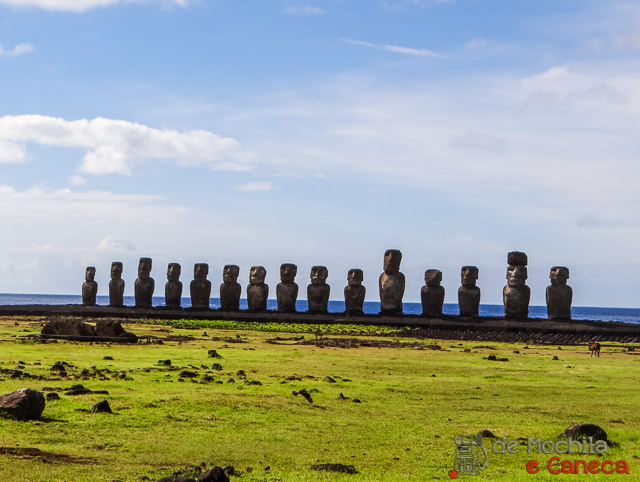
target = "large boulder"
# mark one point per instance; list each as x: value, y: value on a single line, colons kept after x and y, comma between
x: 69, y: 330
x: 23, y: 404
x: 113, y: 330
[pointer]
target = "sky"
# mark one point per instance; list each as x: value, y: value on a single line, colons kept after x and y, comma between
x: 321, y: 133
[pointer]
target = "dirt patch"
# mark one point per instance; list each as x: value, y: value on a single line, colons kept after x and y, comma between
x: 33, y: 453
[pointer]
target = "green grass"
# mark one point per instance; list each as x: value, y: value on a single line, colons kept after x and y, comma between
x: 402, y: 430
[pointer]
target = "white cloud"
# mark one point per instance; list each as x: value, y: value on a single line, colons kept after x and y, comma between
x: 302, y: 10
x: 479, y: 140
x: 77, y: 180
x: 79, y: 5
x: 255, y: 187
x: 11, y: 153
x: 19, y: 49
x: 116, y: 146
x: 395, y: 48
x: 114, y: 243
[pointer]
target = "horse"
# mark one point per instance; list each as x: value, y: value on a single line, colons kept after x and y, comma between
x: 594, y: 347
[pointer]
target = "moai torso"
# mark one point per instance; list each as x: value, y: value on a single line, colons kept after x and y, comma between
x: 432, y: 293
x: 116, y: 285
x: 354, y: 293
x: 287, y: 289
x: 391, y: 283
x: 516, y: 294
x: 559, y: 295
x: 257, y: 290
x: 318, y: 290
x: 469, y: 293
x: 200, y: 287
x: 173, y: 286
x: 89, y: 287
x: 230, y: 289
x: 144, y: 285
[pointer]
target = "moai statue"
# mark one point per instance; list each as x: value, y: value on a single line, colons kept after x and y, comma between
x: 354, y: 292
x: 230, y: 289
x: 257, y: 290
x: 89, y: 287
x: 144, y: 285
x: 318, y: 290
x: 516, y: 293
x: 559, y: 294
x: 287, y: 289
x: 469, y: 293
x: 391, y: 284
x: 432, y: 293
x: 200, y: 286
x: 173, y: 286
x: 116, y: 285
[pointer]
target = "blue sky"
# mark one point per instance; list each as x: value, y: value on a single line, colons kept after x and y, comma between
x: 324, y: 132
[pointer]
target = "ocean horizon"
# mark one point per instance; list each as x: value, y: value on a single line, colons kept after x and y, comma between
x: 627, y: 315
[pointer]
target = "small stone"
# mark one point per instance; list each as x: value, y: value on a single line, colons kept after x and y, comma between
x: 101, y: 407
x: 51, y: 396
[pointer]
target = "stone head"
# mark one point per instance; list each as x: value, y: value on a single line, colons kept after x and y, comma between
x: 559, y: 275
x: 288, y: 272
x: 200, y: 271
x: 257, y: 275
x: 90, y: 273
x: 355, y: 277
x: 468, y: 276
x: 517, y: 258
x: 392, y: 259
x: 230, y: 273
x: 173, y: 271
x: 516, y: 275
x: 116, y: 270
x: 319, y: 275
x: 144, y: 268
x: 433, y: 277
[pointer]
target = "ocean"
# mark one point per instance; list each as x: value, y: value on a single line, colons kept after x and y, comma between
x: 627, y: 315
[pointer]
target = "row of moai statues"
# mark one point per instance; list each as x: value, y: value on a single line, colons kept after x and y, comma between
x: 516, y: 294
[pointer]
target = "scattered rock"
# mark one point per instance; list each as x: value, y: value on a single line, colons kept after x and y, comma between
x: 486, y: 434
x: 112, y: 330
x: 555, y: 357
x: 187, y: 374
x: 254, y: 382
x: 356, y: 400
x: 342, y: 468
x: 216, y: 366
x: 176, y: 478
x: 215, y: 474
x: 166, y: 363
x: 342, y: 397
x: 23, y: 404
x: 51, y: 396
x: 329, y: 379
x: 214, y: 354
x: 101, y: 407
x: 107, y: 357
x: 584, y: 430
x: 304, y: 393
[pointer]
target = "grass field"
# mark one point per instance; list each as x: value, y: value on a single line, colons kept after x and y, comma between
x: 414, y: 400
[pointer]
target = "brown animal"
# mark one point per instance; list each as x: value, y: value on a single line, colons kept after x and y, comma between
x: 594, y: 347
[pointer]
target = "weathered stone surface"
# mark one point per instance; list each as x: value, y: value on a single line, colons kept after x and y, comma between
x: 257, y: 290
x: 517, y: 258
x: 585, y: 430
x: 432, y: 293
x: 354, y: 292
x: 342, y: 468
x: 318, y: 290
x: 173, y: 286
x: 101, y: 407
x: 52, y: 396
x: 215, y: 474
x: 200, y: 286
x: 287, y: 289
x: 176, y: 478
x: 230, y: 289
x: 23, y: 404
x: 69, y: 329
x: 559, y: 295
x: 391, y: 283
x: 144, y: 285
x: 89, y: 287
x: 116, y: 285
x: 516, y: 294
x: 112, y: 330
x: 469, y: 293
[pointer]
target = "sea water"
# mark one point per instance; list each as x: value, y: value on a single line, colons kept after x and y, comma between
x: 627, y: 315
